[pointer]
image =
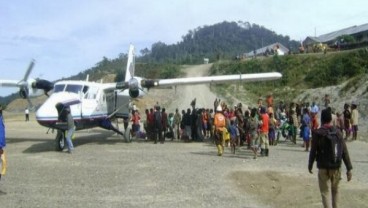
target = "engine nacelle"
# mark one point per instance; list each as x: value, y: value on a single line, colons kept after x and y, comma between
x: 133, y: 93
x: 23, y: 93
x: 133, y: 86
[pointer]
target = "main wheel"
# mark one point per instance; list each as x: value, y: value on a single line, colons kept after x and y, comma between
x: 60, y: 140
x: 127, y: 136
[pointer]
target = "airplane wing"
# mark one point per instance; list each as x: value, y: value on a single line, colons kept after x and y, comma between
x: 211, y: 79
x: 220, y: 79
x: 135, y: 85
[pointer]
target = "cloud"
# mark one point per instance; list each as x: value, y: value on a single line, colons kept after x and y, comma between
x: 66, y: 37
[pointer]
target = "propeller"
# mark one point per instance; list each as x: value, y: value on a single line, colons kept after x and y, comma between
x: 131, y: 83
x: 23, y: 84
x: 26, y: 83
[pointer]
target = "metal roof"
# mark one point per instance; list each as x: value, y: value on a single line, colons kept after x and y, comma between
x: 347, y: 31
x: 269, y: 47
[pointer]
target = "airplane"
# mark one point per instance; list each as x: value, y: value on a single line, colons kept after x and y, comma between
x: 93, y: 103
x: 29, y: 87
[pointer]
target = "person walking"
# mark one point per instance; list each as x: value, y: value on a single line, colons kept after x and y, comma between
x: 263, y: 134
x: 170, y: 124
x: 220, y: 125
x: 2, y: 144
x: 354, y: 120
x: 234, y: 135
x: 164, y: 122
x: 252, y: 128
x: 136, y: 120
x: 177, y: 122
x: 347, y: 120
x: 26, y: 113
x: 158, y: 125
x: 329, y: 150
x: 71, y: 129
x: 187, y: 121
x: 305, y: 129
x: 151, y: 125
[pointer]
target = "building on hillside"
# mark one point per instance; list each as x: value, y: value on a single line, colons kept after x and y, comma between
x: 275, y: 48
x: 360, y: 34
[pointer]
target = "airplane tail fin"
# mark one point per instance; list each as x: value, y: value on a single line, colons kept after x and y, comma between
x: 129, y: 73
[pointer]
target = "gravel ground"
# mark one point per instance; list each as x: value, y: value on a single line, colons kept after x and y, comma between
x: 106, y: 172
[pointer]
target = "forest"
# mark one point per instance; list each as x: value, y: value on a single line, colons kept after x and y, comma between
x: 222, y: 42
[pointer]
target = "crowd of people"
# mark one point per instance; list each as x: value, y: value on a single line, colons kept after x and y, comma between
x: 260, y: 127
x: 257, y: 127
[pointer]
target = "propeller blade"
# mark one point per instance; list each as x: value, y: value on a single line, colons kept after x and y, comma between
x: 132, y: 68
x: 129, y: 72
x: 29, y: 70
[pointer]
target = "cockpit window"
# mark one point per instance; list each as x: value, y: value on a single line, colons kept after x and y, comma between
x: 59, y: 88
x: 73, y: 88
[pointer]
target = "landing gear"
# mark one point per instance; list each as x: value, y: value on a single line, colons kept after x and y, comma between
x: 127, y: 135
x: 60, y: 140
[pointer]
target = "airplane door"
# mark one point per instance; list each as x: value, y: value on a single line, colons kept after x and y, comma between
x: 122, y: 105
x: 110, y: 101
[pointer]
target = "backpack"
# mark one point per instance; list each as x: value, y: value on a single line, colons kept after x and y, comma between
x: 331, y: 148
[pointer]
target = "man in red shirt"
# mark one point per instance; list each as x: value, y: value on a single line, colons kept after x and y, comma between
x: 264, y: 131
x: 135, y: 122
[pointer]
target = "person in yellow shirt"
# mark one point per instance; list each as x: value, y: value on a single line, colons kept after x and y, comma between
x: 220, y: 125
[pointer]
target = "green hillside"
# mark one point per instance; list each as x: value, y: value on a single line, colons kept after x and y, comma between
x: 224, y: 40
x: 300, y: 72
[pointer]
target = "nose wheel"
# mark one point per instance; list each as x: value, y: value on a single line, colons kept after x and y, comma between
x: 60, y: 140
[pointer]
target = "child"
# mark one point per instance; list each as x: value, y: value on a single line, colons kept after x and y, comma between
x: 271, y: 129
x: 306, y: 123
x: 234, y: 135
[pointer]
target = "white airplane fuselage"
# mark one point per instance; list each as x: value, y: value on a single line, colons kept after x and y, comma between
x: 90, y: 103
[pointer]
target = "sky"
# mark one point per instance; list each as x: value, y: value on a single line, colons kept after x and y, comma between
x: 66, y: 37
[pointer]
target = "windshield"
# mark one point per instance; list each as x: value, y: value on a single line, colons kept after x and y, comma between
x: 73, y: 88
x: 59, y: 88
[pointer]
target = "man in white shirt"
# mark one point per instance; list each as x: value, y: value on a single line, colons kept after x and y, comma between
x: 26, y: 112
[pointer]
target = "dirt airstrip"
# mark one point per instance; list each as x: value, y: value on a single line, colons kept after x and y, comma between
x: 106, y: 172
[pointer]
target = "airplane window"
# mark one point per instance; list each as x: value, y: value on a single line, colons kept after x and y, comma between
x: 85, y: 89
x: 73, y: 88
x: 91, y: 93
x: 59, y: 88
